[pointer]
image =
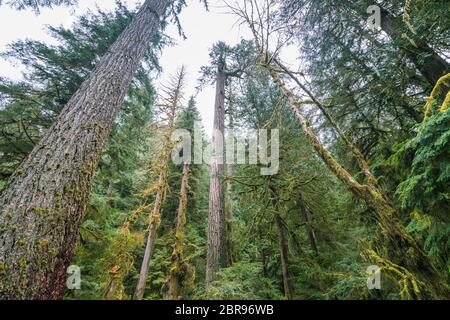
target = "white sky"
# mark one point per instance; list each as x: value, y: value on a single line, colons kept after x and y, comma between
x: 202, y: 28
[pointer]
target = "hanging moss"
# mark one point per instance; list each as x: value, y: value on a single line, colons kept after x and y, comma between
x: 438, y: 89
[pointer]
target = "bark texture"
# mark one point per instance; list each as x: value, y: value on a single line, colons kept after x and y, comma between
x: 216, y: 255
x: 43, y: 205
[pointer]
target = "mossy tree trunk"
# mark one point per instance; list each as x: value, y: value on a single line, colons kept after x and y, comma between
x: 175, y: 281
x: 281, y: 243
x: 42, y: 207
x: 284, y: 257
x: 155, y: 219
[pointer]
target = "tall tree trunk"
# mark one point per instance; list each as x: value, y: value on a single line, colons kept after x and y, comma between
x: 43, y: 205
x: 176, y: 272
x: 216, y: 255
x: 284, y: 257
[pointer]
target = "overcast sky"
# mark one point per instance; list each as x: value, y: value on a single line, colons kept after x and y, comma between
x: 202, y: 28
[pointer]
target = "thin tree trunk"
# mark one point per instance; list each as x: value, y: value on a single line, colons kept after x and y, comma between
x: 154, y: 224
x: 229, y: 216
x: 309, y: 229
x: 43, y: 205
x: 176, y: 274
x: 282, y: 245
x: 229, y: 207
x: 264, y: 263
x: 284, y: 257
x: 216, y: 255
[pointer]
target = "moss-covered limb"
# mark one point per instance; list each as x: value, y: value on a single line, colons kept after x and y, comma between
x: 362, y: 163
x: 398, y: 240
x: 406, y: 18
x: 175, y: 279
x: 443, y: 82
x: 349, y: 181
x: 409, y: 286
x: 415, y: 48
x: 446, y: 103
x: 329, y: 160
x: 121, y: 259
